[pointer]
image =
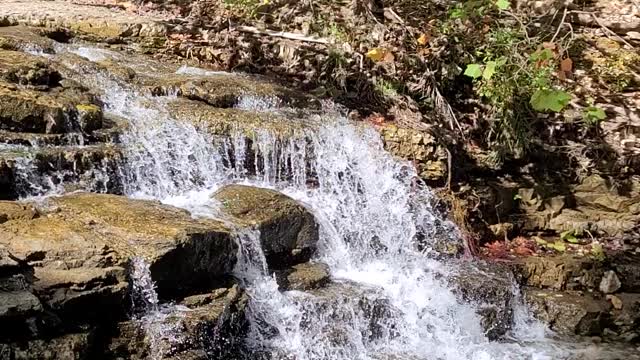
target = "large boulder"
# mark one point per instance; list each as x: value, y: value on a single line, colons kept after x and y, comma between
x: 288, y: 231
x: 80, y: 247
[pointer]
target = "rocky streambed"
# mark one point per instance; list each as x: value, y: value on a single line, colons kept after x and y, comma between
x: 155, y: 210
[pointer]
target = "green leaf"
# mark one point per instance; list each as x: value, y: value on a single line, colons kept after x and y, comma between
x: 489, y: 70
x: 473, y: 71
x: 542, y: 55
x: 549, y: 100
x: 503, y: 4
x: 594, y: 114
x: 457, y: 13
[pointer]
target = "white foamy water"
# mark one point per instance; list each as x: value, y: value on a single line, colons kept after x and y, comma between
x: 391, y: 298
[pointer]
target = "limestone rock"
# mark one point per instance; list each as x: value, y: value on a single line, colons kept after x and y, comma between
x: 73, y: 165
x: 18, y: 304
x: 429, y: 157
x: 27, y: 110
x: 288, y: 231
x: 224, y: 90
x: 11, y: 210
x: 568, y: 313
x: 560, y: 272
x: 223, y: 121
x: 21, y: 38
x: 599, y: 209
x: 609, y: 283
x: 24, y: 69
x: 97, y: 23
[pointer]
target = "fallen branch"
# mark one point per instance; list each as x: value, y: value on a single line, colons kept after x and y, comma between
x: 281, y: 34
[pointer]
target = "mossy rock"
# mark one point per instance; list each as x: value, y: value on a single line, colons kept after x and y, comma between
x: 50, y: 112
x: 83, y: 243
x: 223, y: 121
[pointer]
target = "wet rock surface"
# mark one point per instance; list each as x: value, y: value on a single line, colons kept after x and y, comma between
x: 200, y: 327
x: 490, y: 286
x: 288, y: 231
x: 305, y: 276
x: 74, y: 251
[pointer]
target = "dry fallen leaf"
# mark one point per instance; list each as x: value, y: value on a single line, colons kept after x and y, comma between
x: 566, y: 65
x: 423, y: 39
x: 379, y: 54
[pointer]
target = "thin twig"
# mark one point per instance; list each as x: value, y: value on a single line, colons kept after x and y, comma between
x: 564, y: 16
x: 395, y: 15
x: 449, y: 167
x: 282, y: 34
x: 524, y: 28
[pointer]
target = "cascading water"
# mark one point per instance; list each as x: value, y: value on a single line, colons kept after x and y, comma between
x: 390, y: 300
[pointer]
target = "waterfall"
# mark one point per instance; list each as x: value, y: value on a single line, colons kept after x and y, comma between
x: 378, y: 231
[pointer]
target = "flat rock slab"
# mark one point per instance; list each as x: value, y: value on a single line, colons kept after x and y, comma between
x: 101, y: 22
x: 80, y: 246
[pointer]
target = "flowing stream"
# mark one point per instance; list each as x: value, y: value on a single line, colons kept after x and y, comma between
x: 390, y: 298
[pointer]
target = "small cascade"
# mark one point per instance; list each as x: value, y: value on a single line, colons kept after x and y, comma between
x: 378, y: 234
x: 274, y: 319
x: 161, y: 335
